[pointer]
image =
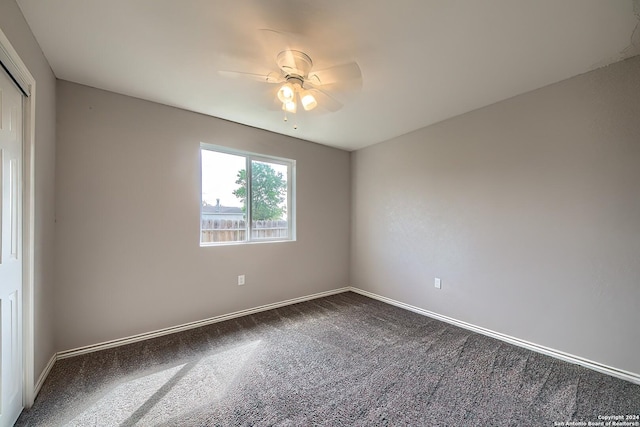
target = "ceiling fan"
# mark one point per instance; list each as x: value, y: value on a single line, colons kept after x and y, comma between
x: 300, y: 83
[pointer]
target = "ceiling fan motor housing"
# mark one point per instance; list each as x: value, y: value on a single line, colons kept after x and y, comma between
x: 294, y: 64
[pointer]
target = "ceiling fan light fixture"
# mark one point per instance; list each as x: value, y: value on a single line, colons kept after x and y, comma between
x: 290, y: 106
x: 286, y: 93
x: 308, y: 101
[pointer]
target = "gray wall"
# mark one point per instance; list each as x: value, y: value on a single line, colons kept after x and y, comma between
x: 529, y: 211
x: 127, y: 233
x: 15, y: 28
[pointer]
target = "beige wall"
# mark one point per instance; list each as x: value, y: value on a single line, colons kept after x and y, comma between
x: 127, y: 233
x: 15, y: 28
x: 529, y: 211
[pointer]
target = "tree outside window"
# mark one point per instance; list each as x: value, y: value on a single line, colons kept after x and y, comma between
x: 226, y: 217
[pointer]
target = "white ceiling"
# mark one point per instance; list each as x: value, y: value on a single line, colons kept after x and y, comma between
x: 422, y: 61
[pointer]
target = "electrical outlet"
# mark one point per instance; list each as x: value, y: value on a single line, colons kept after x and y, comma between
x: 241, y: 279
x: 438, y: 283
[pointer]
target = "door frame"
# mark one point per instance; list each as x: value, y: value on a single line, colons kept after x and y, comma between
x: 19, y: 72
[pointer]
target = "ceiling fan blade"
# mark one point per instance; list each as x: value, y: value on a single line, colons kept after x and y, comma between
x: 273, y: 42
x: 272, y: 77
x: 325, y: 100
x: 269, y: 99
x: 346, y: 73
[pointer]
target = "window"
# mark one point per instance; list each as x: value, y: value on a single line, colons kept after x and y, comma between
x: 237, y: 186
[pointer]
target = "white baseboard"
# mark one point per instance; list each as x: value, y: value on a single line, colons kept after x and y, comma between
x: 43, y: 376
x: 618, y: 373
x: 614, y: 372
x: 166, y: 331
x: 186, y: 326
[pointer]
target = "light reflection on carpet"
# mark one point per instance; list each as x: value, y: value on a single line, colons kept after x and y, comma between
x: 162, y: 395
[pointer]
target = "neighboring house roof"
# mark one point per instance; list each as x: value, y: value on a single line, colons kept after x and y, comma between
x: 219, y: 209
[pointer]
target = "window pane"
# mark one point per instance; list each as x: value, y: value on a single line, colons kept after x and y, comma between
x: 269, y: 200
x: 244, y: 205
x: 223, y: 197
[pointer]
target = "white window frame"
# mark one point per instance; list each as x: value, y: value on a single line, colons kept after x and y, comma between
x: 291, y: 194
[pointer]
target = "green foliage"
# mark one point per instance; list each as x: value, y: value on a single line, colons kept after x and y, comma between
x: 268, y: 191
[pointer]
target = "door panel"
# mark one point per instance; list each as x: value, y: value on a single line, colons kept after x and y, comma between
x: 11, y: 373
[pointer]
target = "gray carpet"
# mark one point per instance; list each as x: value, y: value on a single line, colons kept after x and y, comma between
x: 338, y: 361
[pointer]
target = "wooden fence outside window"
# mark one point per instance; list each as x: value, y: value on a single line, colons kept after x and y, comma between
x: 234, y: 230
